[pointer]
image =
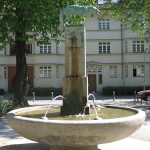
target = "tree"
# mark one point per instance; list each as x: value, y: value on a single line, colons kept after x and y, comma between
x: 24, y: 20
x: 134, y: 14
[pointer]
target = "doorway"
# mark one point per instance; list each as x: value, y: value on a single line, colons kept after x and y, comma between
x: 92, y: 82
x: 11, y: 77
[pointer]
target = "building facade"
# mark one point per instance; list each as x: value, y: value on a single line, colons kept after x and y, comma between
x: 115, y: 57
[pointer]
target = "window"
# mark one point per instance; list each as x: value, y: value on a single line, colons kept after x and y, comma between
x: 5, y: 51
x: 45, y: 48
x: 28, y: 48
x: 45, y: 72
x: 57, y: 49
x: 126, y: 46
x: 93, y: 68
x: 57, y: 72
x: 104, y: 24
x: 5, y: 73
x: 13, y: 49
x: 138, y: 71
x: 113, y: 71
x: 126, y: 71
x: 100, y: 79
x: 138, y: 46
x: 104, y: 47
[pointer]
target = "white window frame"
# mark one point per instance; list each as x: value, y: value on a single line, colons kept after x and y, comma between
x: 57, y: 49
x: 28, y: 48
x: 45, y: 48
x: 126, y: 71
x: 104, y: 47
x: 5, y: 51
x: 113, y: 71
x: 139, y: 70
x: 45, y: 71
x: 94, y: 68
x: 5, y: 73
x: 57, y: 71
x: 138, y: 46
x: 104, y: 24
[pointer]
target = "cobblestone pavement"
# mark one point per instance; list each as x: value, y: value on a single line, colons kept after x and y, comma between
x: 10, y: 140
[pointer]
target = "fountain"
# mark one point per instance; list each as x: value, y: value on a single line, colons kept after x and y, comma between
x: 74, y: 134
x: 45, y: 115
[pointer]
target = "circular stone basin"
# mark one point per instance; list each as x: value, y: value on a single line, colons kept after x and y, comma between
x: 74, y: 134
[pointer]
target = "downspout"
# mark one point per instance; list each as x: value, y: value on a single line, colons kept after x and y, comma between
x: 122, y: 54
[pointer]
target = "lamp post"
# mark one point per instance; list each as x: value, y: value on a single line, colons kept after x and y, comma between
x: 147, y: 49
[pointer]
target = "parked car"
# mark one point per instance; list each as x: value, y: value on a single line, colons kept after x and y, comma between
x: 144, y: 95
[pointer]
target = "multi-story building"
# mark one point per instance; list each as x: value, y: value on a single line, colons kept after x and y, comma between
x: 115, y: 57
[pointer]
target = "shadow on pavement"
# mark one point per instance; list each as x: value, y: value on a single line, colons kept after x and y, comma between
x: 6, y: 131
x: 27, y: 146
x: 146, y: 109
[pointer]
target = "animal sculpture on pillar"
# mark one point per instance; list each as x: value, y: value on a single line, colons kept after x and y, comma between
x: 73, y: 11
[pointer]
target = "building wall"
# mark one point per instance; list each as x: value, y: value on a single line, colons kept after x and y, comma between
x: 52, y: 81
x: 121, y: 55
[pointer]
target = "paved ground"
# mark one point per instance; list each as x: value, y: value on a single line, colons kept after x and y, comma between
x: 10, y: 140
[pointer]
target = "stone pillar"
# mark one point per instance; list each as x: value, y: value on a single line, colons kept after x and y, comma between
x: 75, y: 83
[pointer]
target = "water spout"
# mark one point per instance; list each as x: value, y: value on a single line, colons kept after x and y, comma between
x: 92, y: 96
x: 96, y: 114
x: 44, y: 117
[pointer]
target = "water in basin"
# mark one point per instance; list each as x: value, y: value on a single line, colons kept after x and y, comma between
x: 104, y: 113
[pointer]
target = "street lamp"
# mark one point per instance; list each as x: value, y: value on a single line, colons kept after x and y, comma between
x: 147, y: 49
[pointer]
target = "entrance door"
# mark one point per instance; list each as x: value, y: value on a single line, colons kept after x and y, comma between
x: 11, y: 77
x: 92, y: 82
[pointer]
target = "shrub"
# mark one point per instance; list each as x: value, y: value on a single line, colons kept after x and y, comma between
x: 45, y: 91
x: 122, y: 90
x: 2, y: 91
x: 5, y: 105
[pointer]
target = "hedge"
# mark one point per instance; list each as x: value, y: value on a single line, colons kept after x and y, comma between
x: 45, y: 91
x: 2, y: 92
x: 122, y: 90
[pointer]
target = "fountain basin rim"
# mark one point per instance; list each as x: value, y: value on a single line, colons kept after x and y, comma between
x: 14, y: 114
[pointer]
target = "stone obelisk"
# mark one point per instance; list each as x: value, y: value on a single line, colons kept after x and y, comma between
x: 75, y: 83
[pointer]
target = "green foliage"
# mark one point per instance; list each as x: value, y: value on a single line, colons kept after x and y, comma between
x: 36, y: 16
x: 2, y: 91
x: 22, y: 21
x: 5, y: 105
x: 134, y: 14
x: 45, y: 91
x: 122, y: 90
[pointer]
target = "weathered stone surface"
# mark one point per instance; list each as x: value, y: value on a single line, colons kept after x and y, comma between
x: 75, y: 83
x: 77, y: 133
x: 73, y: 147
x: 73, y: 135
x: 75, y: 51
x: 75, y: 95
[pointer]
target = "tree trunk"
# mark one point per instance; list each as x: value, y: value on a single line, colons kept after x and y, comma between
x: 21, y: 78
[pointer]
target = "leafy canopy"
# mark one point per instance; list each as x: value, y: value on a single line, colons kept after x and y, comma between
x: 134, y: 14
x: 39, y: 18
